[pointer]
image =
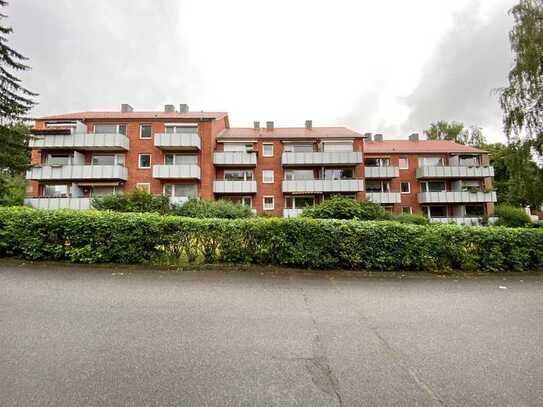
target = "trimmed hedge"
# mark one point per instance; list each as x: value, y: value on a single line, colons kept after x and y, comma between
x: 201, y: 208
x: 96, y: 236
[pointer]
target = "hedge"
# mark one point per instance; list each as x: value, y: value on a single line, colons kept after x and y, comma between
x: 103, y: 236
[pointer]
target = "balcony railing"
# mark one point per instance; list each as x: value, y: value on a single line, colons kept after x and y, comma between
x: 455, y: 172
x: 456, y: 197
x: 323, y: 185
x: 77, y: 172
x: 292, y: 213
x: 234, y: 158
x: 58, y: 203
x: 384, y: 197
x: 177, y: 141
x: 186, y: 171
x: 459, y: 220
x: 227, y: 187
x: 381, y: 172
x: 322, y: 158
x: 81, y: 141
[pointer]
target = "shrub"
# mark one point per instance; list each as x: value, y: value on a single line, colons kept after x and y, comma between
x: 510, y: 216
x: 94, y: 237
x: 199, y: 208
x: 136, y: 201
x: 412, y: 219
x: 346, y: 208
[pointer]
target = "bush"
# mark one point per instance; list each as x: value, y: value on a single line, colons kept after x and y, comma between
x: 136, y: 201
x: 412, y: 219
x: 94, y: 237
x: 197, y: 208
x: 513, y: 217
x: 346, y: 208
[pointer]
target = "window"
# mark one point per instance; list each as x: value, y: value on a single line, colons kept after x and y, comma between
x: 338, y: 173
x: 56, y: 191
x: 433, y: 186
x: 407, y: 210
x: 110, y: 128
x: 291, y: 175
x: 180, y: 159
x: 468, y: 160
x: 144, y: 186
x: 145, y: 131
x: 267, y: 176
x: 103, y: 159
x: 377, y: 186
x: 267, y: 150
x: 337, y: 146
x: 471, y: 186
x: 474, y: 210
x: 437, y: 211
x: 377, y: 162
x: 145, y: 161
x: 298, y: 202
x: 181, y: 190
x: 247, y: 201
x: 181, y: 129
x: 430, y: 161
x: 238, y: 175
x: 404, y: 163
x: 405, y: 187
x: 58, y: 159
x: 269, y: 203
x: 296, y: 148
x: 101, y: 191
x: 241, y: 147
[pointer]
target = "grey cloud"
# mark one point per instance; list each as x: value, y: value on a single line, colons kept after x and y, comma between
x: 96, y: 54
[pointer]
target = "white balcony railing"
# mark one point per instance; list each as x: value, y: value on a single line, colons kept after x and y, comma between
x: 186, y: 171
x: 384, y: 197
x: 455, y: 172
x: 292, y: 213
x: 177, y: 141
x: 467, y: 220
x: 77, y: 172
x: 456, y: 197
x: 227, y: 187
x: 323, y: 185
x: 80, y: 141
x: 58, y: 203
x: 322, y: 158
x: 234, y: 158
x: 381, y: 172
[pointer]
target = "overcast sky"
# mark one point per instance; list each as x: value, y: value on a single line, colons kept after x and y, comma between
x: 375, y: 66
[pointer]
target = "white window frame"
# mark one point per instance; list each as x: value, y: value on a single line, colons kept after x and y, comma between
x: 245, y: 172
x: 150, y: 161
x: 144, y: 186
x: 408, y: 187
x: 407, y: 213
x: 400, y: 163
x: 250, y: 198
x: 264, y: 145
x: 117, y: 127
x: 264, y: 203
x: 141, y: 128
x: 271, y: 179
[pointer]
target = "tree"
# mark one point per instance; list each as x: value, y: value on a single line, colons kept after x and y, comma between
x: 15, y: 102
x: 455, y: 131
x: 522, y: 100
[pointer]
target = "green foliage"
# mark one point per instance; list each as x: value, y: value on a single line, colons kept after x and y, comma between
x: 136, y: 201
x: 513, y: 217
x: 95, y: 237
x: 12, y: 190
x: 199, y: 208
x: 412, y: 219
x: 14, y: 154
x: 345, y: 208
x: 455, y: 131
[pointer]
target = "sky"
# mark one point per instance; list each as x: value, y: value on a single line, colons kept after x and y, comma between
x: 386, y: 66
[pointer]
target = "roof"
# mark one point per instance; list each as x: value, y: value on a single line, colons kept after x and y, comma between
x: 136, y: 115
x: 421, y: 146
x: 288, y: 132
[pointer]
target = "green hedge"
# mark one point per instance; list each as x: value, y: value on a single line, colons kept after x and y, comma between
x: 103, y: 236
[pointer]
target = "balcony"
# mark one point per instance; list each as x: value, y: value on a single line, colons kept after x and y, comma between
x: 234, y: 158
x: 80, y: 141
x: 322, y: 158
x: 384, y: 197
x: 178, y: 200
x: 455, y: 172
x: 456, y: 197
x: 323, y: 185
x: 232, y: 187
x: 177, y: 141
x: 179, y: 171
x: 292, y: 213
x: 77, y: 172
x: 469, y: 221
x: 58, y: 203
x: 381, y: 172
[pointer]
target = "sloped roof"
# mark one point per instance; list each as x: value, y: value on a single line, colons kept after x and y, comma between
x: 288, y: 132
x: 421, y: 146
x: 135, y: 115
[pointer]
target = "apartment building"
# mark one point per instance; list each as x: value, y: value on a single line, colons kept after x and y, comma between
x: 277, y: 171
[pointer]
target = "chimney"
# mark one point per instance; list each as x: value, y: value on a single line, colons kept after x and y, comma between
x: 169, y: 108
x: 256, y: 124
x: 269, y: 125
x: 367, y: 136
x: 183, y: 108
x: 125, y: 107
x: 414, y: 137
x: 378, y: 137
x: 309, y: 124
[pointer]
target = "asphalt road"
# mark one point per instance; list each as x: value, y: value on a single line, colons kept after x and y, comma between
x: 98, y: 337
